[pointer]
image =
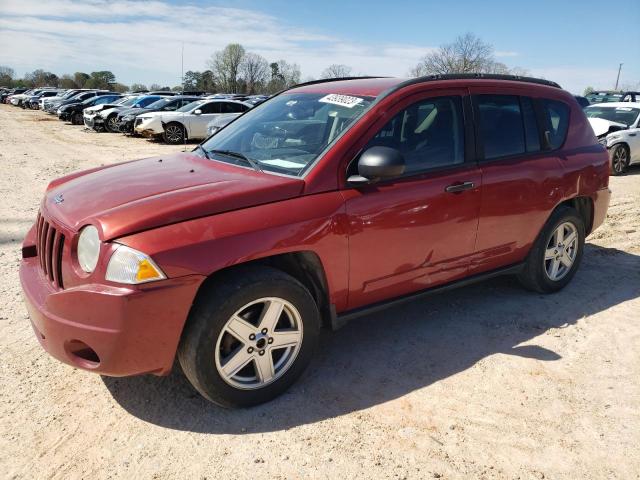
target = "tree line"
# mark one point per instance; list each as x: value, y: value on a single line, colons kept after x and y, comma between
x: 236, y: 70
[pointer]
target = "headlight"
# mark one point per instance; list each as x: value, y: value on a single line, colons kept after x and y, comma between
x: 88, y: 248
x: 127, y: 265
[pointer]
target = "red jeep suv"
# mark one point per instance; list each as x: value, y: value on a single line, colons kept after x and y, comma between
x: 328, y: 201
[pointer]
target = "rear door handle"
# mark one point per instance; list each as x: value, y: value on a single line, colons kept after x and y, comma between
x: 459, y: 187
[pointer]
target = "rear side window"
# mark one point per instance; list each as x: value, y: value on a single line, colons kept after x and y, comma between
x: 556, y: 119
x: 501, y: 125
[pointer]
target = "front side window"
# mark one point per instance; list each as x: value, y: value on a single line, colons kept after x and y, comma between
x: 556, y: 118
x: 501, y: 125
x: 429, y: 134
x: 289, y: 132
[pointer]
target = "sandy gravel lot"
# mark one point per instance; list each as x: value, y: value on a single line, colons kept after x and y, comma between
x: 488, y: 381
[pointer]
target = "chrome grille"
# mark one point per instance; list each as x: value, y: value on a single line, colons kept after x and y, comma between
x: 49, y: 245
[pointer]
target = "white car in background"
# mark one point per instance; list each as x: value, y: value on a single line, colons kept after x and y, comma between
x: 617, y: 126
x: 220, y: 121
x: 189, y: 122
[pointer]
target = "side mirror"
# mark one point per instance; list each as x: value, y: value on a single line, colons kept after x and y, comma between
x: 378, y: 163
x: 197, y: 112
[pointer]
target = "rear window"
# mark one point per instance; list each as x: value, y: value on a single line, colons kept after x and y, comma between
x: 556, y: 118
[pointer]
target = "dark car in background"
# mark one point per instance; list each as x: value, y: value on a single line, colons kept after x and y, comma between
x: 81, y: 97
x: 607, y: 96
x: 91, y: 115
x: 13, y: 91
x: 127, y: 118
x: 73, y: 111
x: 109, y: 117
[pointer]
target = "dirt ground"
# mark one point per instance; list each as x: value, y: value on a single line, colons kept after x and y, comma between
x: 488, y: 381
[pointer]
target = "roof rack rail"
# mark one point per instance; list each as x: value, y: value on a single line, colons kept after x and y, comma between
x: 326, y: 80
x: 485, y: 76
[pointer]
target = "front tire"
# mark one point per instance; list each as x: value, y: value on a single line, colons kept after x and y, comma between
x: 556, y: 253
x: 249, y: 336
x: 76, y: 119
x: 619, y: 159
x: 174, y: 134
x: 111, y: 123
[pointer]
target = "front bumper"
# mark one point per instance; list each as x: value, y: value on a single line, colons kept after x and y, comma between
x: 125, y: 126
x: 115, y: 331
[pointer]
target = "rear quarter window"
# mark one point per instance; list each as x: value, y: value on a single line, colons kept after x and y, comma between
x: 556, y: 119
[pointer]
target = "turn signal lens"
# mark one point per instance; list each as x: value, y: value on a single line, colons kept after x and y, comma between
x: 130, y: 266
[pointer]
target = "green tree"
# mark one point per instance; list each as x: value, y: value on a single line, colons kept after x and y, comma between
x: 226, y: 65
x: 80, y: 78
x: 6, y: 76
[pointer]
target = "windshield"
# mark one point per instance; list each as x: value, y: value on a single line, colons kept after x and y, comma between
x: 126, y: 101
x: 604, y: 97
x: 189, y: 106
x: 144, y: 101
x: 160, y: 103
x: 624, y: 115
x: 289, y: 132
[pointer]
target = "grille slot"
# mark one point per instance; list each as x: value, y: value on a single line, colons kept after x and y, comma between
x: 49, y: 247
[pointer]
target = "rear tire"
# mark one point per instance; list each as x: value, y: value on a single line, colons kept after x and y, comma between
x: 619, y: 159
x: 556, y: 254
x: 274, y: 319
x: 174, y: 134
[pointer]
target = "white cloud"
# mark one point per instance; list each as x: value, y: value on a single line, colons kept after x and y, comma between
x: 141, y: 41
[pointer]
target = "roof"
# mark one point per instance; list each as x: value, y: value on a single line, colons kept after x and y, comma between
x: 374, y: 86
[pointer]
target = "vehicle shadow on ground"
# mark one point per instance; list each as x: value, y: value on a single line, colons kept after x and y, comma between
x: 390, y: 354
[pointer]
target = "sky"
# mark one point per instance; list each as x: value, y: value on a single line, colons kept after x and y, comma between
x: 577, y: 43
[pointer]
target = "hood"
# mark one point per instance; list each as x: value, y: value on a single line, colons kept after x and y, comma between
x: 601, y: 126
x: 131, y: 111
x: 130, y: 197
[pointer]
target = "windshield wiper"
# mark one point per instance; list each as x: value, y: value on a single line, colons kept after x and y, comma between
x: 204, y: 152
x: 239, y: 155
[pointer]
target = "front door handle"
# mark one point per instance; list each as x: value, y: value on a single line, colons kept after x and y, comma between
x: 459, y: 187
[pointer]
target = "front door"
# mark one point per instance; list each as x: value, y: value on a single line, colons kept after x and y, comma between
x: 418, y: 230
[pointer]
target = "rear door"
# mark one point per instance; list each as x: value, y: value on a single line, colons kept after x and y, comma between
x: 521, y: 177
x: 198, y: 123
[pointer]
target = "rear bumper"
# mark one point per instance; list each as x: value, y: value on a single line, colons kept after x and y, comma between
x: 600, y: 206
x: 115, y: 331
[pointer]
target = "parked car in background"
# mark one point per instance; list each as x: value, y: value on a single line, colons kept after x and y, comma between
x: 74, y: 111
x: 91, y: 115
x: 582, y: 101
x: 607, y: 96
x: 188, y: 122
x: 51, y: 106
x: 80, y: 97
x: 128, y: 118
x: 33, y: 102
x: 109, y: 117
x: 6, y: 96
x: 16, y: 99
x: 330, y: 201
x: 617, y: 126
x: 220, y: 121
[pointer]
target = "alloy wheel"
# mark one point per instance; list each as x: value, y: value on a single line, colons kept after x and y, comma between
x: 174, y: 133
x: 259, y: 343
x: 561, y: 251
x: 619, y: 159
x: 112, y: 123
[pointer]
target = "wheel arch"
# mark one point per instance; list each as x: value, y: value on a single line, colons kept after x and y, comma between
x: 305, y: 266
x: 177, y: 122
x: 584, y: 206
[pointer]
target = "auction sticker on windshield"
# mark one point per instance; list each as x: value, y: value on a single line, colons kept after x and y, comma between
x: 342, y: 100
